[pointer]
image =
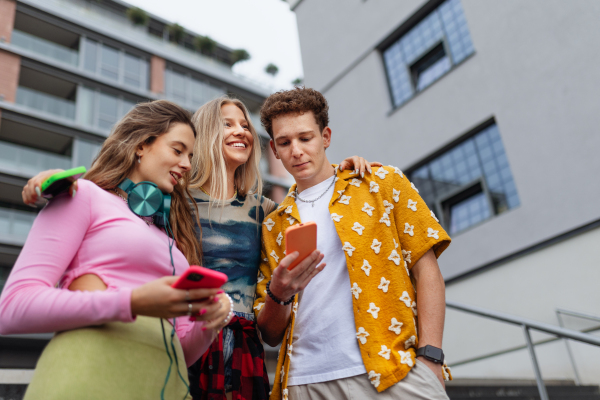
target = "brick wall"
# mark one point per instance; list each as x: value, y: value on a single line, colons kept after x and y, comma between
x: 10, y: 65
x: 7, y: 19
x: 157, y: 74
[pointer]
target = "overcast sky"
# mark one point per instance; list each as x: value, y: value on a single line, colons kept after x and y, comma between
x: 265, y: 28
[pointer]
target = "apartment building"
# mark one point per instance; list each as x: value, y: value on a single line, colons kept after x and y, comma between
x: 70, y: 69
x: 490, y: 108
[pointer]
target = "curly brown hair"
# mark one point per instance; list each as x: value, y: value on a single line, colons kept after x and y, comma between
x: 297, y: 100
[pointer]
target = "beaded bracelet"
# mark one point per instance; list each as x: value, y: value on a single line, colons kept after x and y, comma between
x: 230, y: 315
x: 275, y: 299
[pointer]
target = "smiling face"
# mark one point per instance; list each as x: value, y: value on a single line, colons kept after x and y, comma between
x: 164, y: 161
x: 237, y: 138
x: 300, y: 145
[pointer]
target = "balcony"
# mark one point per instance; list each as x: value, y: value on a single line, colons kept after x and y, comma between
x: 46, y: 103
x: 15, y: 225
x: 27, y: 162
x: 45, y: 48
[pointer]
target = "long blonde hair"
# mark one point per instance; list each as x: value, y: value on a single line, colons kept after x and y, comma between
x: 209, y: 161
x: 116, y: 161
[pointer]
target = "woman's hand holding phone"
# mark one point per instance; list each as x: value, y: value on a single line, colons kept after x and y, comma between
x: 32, y: 190
x: 159, y: 299
x: 286, y: 283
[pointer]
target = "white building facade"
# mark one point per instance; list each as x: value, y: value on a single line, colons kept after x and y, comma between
x: 490, y: 108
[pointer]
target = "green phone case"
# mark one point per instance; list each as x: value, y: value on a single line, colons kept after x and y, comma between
x: 61, y: 181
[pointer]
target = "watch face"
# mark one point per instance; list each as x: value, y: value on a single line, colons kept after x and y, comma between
x: 434, y: 353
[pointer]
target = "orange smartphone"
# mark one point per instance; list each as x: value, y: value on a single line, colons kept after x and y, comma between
x: 301, y: 238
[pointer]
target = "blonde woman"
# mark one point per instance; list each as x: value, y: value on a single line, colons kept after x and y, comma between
x: 100, y: 275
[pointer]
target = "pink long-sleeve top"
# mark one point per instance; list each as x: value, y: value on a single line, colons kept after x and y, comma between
x: 92, y: 233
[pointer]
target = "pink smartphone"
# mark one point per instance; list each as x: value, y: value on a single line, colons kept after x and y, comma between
x: 200, y: 278
x: 301, y: 238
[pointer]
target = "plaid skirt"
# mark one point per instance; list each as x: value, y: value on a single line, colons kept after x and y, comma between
x: 234, y: 363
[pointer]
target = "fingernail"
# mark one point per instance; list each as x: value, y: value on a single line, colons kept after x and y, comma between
x: 356, y: 171
x: 193, y: 319
x: 203, y: 311
x: 369, y: 169
x: 74, y: 191
x: 220, y: 291
x: 215, y: 300
x: 362, y: 174
x: 37, y: 191
x: 203, y: 328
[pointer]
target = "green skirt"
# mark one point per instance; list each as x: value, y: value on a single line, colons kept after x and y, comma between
x: 112, y: 361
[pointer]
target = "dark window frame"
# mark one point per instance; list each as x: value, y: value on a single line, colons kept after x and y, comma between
x: 443, y: 204
x: 406, y: 28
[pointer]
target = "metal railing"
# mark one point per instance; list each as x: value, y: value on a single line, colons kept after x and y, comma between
x: 560, y: 311
x: 45, y: 47
x: 46, y: 103
x: 25, y: 161
x: 526, y: 325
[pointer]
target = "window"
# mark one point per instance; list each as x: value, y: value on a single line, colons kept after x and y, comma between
x: 189, y: 91
x: 468, y: 183
x: 427, y: 51
x: 115, y: 64
x: 100, y: 110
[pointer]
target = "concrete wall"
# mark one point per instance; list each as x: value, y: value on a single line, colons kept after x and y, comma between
x: 157, y: 74
x: 565, y: 275
x: 534, y: 70
x: 10, y: 65
x: 7, y: 19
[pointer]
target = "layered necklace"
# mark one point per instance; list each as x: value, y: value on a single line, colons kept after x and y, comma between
x: 312, y: 202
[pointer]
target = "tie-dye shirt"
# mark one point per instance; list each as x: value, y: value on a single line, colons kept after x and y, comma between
x: 231, y: 242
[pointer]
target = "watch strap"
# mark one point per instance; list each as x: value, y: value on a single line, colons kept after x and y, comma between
x: 431, y: 353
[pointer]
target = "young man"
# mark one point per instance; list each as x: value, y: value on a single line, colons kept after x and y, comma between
x: 350, y: 329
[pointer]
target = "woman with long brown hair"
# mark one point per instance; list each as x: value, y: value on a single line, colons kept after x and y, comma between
x: 101, y: 276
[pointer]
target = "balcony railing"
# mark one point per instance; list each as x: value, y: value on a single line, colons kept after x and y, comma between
x: 15, y: 225
x: 45, y: 47
x: 46, y: 103
x: 25, y: 161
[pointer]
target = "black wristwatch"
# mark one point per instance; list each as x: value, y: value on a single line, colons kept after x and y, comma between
x: 432, y: 354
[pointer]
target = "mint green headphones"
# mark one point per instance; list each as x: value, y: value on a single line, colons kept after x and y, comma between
x: 147, y: 200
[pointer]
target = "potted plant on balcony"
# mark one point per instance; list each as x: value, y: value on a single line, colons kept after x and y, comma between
x: 272, y: 69
x: 239, y: 55
x: 137, y: 16
x: 205, y: 45
x: 176, y: 32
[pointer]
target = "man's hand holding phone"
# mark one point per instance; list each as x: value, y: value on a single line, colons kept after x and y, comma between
x: 286, y: 283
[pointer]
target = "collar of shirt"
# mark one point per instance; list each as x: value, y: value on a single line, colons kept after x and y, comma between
x: 288, y: 205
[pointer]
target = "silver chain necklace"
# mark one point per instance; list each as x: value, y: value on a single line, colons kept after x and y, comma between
x: 312, y: 202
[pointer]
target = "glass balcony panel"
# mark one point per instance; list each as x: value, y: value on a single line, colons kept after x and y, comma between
x: 45, y: 47
x: 25, y: 161
x: 15, y: 225
x: 46, y: 103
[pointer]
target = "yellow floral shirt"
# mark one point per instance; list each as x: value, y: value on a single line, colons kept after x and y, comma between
x: 385, y: 227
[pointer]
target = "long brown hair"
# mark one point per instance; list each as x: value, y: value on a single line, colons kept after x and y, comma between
x: 116, y: 161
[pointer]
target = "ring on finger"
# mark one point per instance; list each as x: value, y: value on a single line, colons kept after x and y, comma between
x: 189, y: 313
x: 187, y: 296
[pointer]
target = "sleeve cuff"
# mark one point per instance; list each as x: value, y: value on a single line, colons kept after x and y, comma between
x: 125, y: 305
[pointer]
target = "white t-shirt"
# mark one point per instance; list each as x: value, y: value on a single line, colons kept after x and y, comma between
x: 325, y: 347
